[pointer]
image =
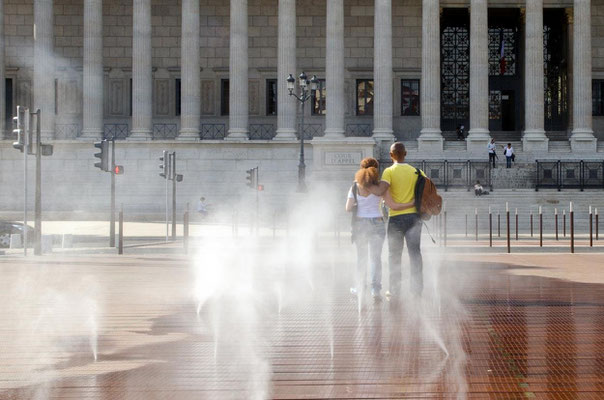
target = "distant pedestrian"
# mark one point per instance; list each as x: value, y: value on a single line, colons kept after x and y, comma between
x: 460, y: 134
x: 202, y: 207
x: 479, y: 190
x: 508, y: 152
x: 492, y: 152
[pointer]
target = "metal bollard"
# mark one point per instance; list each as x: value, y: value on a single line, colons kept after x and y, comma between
x: 498, y: 224
x: 540, y: 227
x: 490, y: 228
x: 466, y: 225
x: 476, y: 223
x: 185, y: 230
x: 445, y: 227
x: 597, y: 236
x: 120, y: 246
x: 507, y: 213
x: 564, y: 222
x: 556, y: 221
x: 572, y: 228
x: 591, y: 229
x: 531, y: 223
x: 274, y: 225
x: 516, y: 224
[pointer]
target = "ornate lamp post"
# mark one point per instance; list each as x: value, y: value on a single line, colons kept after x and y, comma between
x: 305, y: 94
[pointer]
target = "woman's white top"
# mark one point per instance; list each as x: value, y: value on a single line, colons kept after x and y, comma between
x: 509, y: 151
x: 367, y: 207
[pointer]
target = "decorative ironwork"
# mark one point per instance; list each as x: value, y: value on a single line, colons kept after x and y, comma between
x: 506, y: 39
x: 165, y: 131
x: 67, y: 131
x: 116, y: 131
x: 311, y: 131
x: 570, y: 174
x: 455, y: 76
x: 495, y: 104
x: 212, y: 131
x: 447, y: 174
x: 262, y: 131
x: 480, y: 171
x: 358, y: 130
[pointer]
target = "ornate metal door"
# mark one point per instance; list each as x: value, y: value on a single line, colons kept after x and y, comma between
x: 455, y: 75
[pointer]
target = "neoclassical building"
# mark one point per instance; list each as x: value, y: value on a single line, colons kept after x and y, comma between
x: 194, y: 70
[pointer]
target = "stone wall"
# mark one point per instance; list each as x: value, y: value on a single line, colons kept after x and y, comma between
x: 216, y: 170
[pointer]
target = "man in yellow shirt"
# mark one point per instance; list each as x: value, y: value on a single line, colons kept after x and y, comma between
x: 400, y: 180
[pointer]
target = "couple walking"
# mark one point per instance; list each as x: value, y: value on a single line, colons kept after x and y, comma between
x: 397, y: 189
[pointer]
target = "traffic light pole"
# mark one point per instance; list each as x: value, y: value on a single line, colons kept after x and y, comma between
x: 26, y: 145
x: 167, y: 180
x: 38, y: 203
x: 112, y: 217
x: 173, y: 173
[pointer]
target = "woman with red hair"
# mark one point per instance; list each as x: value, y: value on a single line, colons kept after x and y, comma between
x: 369, y: 225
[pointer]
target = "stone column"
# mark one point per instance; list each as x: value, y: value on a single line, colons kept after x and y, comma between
x: 44, y: 67
x: 430, y: 138
x: 334, y: 70
x: 382, y: 70
x: 534, y: 139
x: 582, y: 138
x: 478, y: 136
x: 238, y: 72
x: 92, y: 121
x: 2, y: 83
x: 190, y: 86
x: 286, y: 64
x: 142, y: 78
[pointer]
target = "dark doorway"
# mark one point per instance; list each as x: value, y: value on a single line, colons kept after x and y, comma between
x: 508, y: 114
x: 505, y: 72
x: 555, y: 66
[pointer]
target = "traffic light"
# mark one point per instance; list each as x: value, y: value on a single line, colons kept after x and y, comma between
x: 164, y: 165
x: 18, y: 130
x: 252, y: 178
x: 103, y: 156
x: 118, y: 169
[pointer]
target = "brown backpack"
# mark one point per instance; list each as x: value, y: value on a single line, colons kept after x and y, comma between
x: 427, y: 201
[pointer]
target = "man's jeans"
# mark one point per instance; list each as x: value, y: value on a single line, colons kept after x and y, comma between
x: 508, y: 162
x: 369, y: 239
x: 400, y: 228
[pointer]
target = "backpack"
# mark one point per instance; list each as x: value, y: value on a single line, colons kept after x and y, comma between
x: 427, y: 201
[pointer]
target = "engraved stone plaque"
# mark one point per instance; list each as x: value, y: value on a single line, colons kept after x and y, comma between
x: 342, y: 158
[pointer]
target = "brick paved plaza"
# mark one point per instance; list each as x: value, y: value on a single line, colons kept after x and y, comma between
x: 488, y: 326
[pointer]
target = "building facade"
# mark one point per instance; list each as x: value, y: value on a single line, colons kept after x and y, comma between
x: 409, y: 69
x: 209, y: 76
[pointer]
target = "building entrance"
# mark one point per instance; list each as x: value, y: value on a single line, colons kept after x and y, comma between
x: 506, y: 70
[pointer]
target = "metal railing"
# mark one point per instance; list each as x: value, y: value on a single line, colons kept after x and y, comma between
x: 67, y: 131
x: 560, y: 174
x: 262, y: 131
x: 359, y: 130
x: 212, y: 131
x: 454, y: 174
x: 115, y: 131
x: 165, y: 131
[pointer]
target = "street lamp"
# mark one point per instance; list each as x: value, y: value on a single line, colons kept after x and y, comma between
x: 305, y: 94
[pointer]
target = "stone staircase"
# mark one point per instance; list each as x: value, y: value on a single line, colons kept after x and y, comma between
x: 559, y: 147
x: 455, y: 146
